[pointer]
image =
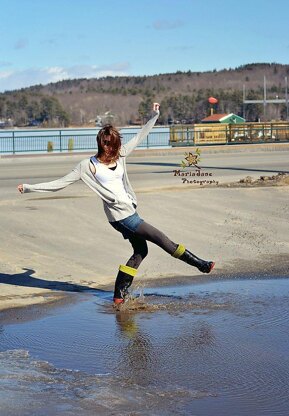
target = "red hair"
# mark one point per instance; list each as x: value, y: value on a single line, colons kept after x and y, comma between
x: 111, y: 153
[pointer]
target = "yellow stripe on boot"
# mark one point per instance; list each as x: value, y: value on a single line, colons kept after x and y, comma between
x: 179, y: 251
x: 128, y: 270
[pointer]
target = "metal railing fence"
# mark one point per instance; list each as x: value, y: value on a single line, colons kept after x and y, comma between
x: 69, y: 140
x: 209, y: 134
x: 42, y: 141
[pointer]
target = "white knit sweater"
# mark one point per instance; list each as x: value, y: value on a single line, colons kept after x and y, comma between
x: 115, y: 210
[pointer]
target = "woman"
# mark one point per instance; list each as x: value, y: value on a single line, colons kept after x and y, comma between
x: 105, y: 173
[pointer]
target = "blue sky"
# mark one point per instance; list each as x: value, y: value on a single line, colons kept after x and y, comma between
x: 47, y: 41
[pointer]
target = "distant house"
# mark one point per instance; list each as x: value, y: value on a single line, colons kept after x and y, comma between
x: 224, y: 118
x: 106, y: 118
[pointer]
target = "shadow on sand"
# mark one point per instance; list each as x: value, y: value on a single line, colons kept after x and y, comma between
x: 231, y: 168
x: 26, y: 280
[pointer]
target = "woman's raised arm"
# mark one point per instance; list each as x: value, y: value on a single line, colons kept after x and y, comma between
x: 131, y: 145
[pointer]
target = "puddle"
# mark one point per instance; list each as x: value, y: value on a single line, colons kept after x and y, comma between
x: 217, y: 348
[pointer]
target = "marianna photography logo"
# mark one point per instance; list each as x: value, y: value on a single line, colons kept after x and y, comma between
x: 192, y: 172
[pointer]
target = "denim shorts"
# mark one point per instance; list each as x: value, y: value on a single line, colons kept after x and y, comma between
x: 127, y: 227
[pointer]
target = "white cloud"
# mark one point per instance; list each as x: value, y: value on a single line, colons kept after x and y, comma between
x: 5, y: 74
x: 12, y: 80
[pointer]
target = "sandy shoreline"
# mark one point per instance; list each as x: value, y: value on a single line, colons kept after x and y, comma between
x: 27, y: 309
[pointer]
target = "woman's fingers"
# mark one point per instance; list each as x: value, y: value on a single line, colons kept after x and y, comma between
x: 156, y: 106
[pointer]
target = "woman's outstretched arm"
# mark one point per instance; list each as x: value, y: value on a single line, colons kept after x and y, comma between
x: 131, y: 145
x: 52, y: 186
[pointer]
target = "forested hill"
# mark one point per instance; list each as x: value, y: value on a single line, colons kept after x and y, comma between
x: 127, y: 100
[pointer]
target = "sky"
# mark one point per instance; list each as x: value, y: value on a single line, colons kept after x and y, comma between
x: 48, y: 41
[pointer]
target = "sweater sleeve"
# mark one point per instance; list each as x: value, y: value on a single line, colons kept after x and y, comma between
x: 56, y: 185
x: 131, y: 145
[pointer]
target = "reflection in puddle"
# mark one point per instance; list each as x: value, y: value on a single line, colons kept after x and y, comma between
x: 218, y: 348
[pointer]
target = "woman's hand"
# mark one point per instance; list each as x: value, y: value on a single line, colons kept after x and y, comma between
x: 156, y: 106
x: 20, y: 188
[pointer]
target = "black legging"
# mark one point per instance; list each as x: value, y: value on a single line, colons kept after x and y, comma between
x: 146, y: 232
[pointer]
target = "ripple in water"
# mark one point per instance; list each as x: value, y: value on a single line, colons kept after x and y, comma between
x: 219, y: 348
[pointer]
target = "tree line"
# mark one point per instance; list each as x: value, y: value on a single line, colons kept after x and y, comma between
x: 24, y: 109
x: 46, y: 111
x: 183, y: 97
x: 192, y: 108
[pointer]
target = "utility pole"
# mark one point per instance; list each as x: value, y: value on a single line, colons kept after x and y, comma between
x: 244, y: 97
x: 286, y: 98
x: 264, y: 101
x: 265, y: 96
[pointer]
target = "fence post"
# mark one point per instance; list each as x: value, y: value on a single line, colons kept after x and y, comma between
x: 13, y: 142
x: 60, y: 141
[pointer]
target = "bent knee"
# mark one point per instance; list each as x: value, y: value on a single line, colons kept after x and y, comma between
x: 142, y: 249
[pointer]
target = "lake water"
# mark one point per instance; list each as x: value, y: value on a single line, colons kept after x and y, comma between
x: 36, y: 141
x: 210, y: 349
